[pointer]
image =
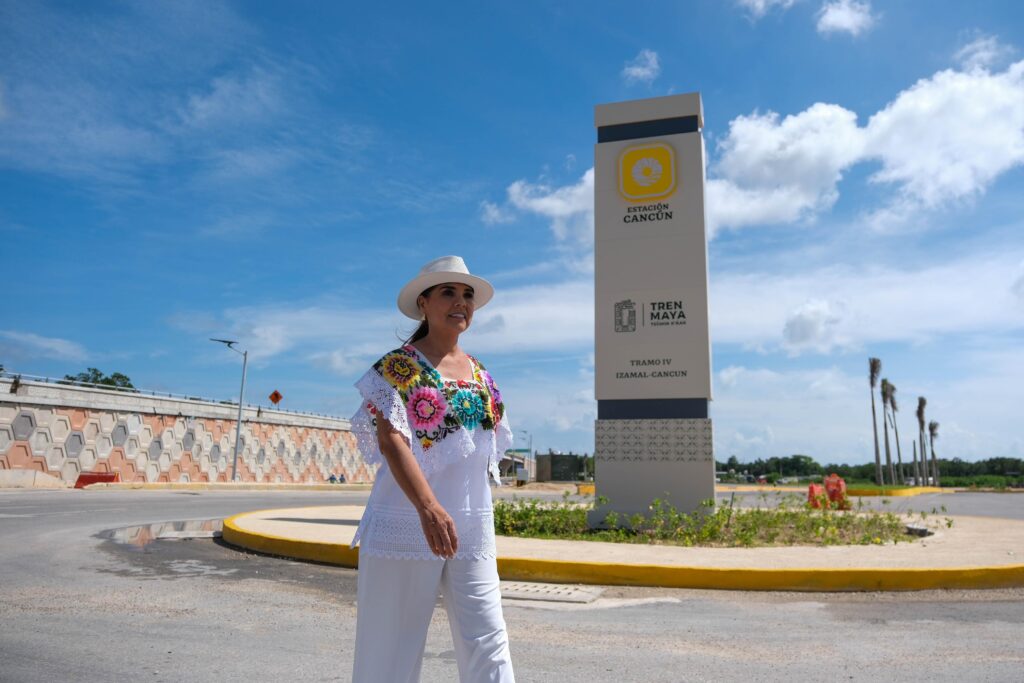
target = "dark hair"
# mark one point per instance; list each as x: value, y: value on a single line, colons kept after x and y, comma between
x: 424, y: 328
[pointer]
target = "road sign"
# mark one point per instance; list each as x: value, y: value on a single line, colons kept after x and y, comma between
x: 276, y: 397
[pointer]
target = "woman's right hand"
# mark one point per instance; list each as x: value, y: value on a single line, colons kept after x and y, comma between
x: 439, y: 530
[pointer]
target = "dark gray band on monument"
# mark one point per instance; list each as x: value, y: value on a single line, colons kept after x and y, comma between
x: 653, y: 409
x: 648, y: 129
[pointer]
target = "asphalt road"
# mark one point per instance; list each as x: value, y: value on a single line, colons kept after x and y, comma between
x: 75, y: 606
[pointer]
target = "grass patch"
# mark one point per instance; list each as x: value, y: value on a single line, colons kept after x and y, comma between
x: 791, y: 522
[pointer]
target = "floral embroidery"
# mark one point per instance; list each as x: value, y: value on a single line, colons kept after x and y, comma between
x: 468, y: 407
x: 496, y: 407
x: 426, y: 408
x: 438, y: 407
x: 400, y: 370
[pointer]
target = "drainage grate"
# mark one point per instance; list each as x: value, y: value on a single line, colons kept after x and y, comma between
x: 549, y: 592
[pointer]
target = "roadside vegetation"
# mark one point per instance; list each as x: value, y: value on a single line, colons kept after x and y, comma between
x: 789, y: 522
x: 992, y: 473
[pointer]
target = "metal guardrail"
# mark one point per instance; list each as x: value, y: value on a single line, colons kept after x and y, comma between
x: 39, y: 379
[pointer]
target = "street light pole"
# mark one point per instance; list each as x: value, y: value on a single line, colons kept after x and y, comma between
x: 241, y: 397
x: 529, y: 434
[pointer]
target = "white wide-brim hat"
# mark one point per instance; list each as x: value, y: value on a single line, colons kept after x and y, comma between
x: 438, y: 272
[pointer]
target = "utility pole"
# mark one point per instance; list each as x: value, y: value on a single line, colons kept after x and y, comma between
x: 241, y: 396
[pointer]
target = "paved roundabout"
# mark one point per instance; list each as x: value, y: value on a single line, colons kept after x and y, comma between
x: 975, y: 552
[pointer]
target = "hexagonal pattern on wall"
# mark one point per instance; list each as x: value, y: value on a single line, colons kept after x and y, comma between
x: 60, y: 427
x: 40, y: 441
x: 55, y: 457
x: 6, y: 438
x: 92, y: 429
x: 87, y: 458
x: 74, y: 443
x: 120, y: 434
x: 70, y: 440
x: 69, y: 470
x: 24, y: 424
x: 134, y: 423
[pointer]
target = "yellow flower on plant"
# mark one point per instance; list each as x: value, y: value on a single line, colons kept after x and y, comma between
x: 400, y: 370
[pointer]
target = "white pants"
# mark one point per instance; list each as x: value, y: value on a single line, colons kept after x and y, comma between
x: 395, y: 600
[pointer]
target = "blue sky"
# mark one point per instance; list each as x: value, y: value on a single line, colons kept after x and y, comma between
x: 274, y: 172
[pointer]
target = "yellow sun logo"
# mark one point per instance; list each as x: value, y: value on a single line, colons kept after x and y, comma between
x: 647, y: 172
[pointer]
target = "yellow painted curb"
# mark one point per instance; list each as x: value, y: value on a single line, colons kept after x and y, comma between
x: 666, y: 576
x: 897, y: 492
x: 224, y: 486
x: 327, y: 553
x: 585, y: 489
x: 809, y: 579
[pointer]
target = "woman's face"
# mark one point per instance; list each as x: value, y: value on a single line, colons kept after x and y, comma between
x: 448, y: 306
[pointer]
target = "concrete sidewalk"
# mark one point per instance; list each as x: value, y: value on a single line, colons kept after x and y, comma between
x: 975, y: 553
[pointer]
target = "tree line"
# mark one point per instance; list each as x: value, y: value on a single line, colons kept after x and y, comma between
x: 957, y: 472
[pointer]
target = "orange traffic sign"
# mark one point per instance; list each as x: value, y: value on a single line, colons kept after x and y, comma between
x: 276, y: 397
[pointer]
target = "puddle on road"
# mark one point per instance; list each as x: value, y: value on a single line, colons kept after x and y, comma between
x: 139, y: 537
x: 193, y: 549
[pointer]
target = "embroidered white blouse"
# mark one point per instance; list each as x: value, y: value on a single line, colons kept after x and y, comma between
x: 457, y: 431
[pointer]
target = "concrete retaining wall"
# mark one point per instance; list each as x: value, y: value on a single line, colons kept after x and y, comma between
x: 64, y: 430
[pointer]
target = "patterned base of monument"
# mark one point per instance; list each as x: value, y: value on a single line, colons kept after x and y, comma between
x: 652, y: 350
x: 639, y: 461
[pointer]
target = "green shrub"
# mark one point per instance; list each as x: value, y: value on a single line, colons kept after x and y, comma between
x: 792, y: 522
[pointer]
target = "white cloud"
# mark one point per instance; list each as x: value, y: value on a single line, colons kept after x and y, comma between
x: 236, y: 99
x: 569, y: 208
x: 556, y: 316
x: 772, y: 171
x: 644, y: 68
x: 971, y: 294
x: 492, y: 214
x: 813, y: 326
x: 556, y: 410
x: 30, y: 345
x: 84, y: 103
x: 984, y: 52
x: 1017, y: 287
x: 942, y: 141
x: 845, y: 16
x: 949, y: 136
x: 549, y: 317
x: 758, y: 8
x: 821, y: 412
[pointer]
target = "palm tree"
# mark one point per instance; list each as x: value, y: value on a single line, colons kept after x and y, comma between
x: 922, y: 475
x: 893, y: 409
x: 917, y: 477
x: 886, y: 394
x: 933, y: 433
x: 874, y: 369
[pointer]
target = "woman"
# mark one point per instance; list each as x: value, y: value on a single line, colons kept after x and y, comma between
x: 433, y: 419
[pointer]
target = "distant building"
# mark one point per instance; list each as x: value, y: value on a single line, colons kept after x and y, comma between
x: 513, y: 461
x: 553, y: 466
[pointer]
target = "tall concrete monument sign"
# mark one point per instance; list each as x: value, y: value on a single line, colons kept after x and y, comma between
x: 653, y: 351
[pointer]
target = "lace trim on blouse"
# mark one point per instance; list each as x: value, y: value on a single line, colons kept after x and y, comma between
x: 400, y: 536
